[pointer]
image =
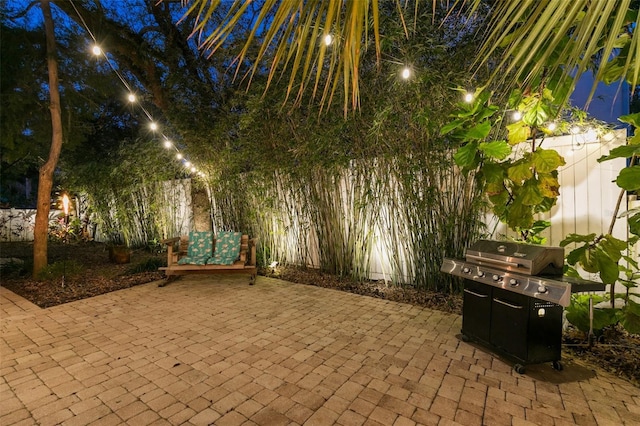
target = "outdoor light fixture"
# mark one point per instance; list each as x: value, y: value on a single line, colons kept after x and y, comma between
x: 187, y: 164
x: 328, y: 39
x: 468, y: 97
x: 406, y: 73
x: 167, y: 144
x: 96, y: 50
x: 153, y: 126
x: 131, y: 97
x: 193, y: 169
x: 65, y: 206
x: 551, y: 126
x: 179, y: 156
x: 517, y: 115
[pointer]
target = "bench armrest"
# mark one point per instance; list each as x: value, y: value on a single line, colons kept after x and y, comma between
x: 171, y: 256
x: 252, y: 251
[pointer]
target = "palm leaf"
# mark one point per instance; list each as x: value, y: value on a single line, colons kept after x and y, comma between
x: 290, y: 37
x: 534, y: 36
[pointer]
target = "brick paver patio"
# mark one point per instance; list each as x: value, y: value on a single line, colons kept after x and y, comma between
x: 213, y: 350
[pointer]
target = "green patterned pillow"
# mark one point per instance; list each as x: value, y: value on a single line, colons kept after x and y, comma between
x: 199, y: 249
x: 227, y: 248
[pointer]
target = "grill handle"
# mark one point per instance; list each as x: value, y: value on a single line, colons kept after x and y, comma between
x: 482, y: 296
x: 494, y: 261
x: 511, y: 305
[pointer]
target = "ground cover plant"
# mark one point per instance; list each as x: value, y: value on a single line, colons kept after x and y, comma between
x: 93, y: 274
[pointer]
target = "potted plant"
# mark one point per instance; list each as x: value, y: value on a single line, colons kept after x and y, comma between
x: 119, y: 252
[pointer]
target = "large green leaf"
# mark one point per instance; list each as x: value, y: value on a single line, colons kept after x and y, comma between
x: 530, y: 193
x: 495, y: 149
x: 493, y: 173
x: 576, y: 254
x: 518, y: 132
x: 447, y: 128
x: 633, y: 119
x: 547, y: 160
x: 624, y: 151
x: 629, y: 178
x: 634, y: 224
x: 549, y: 185
x: 479, y: 131
x: 519, y: 215
x: 577, y: 238
x: 607, y: 267
x: 520, y: 171
x: 465, y: 157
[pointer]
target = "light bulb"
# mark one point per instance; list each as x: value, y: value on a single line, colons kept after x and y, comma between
x: 517, y: 115
x: 179, y: 156
x: 153, y: 126
x: 328, y: 39
x: 575, y: 130
x: 131, y: 97
x: 187, y: 164
x: 551, y: 126
x: 406, y: 73
x: 167, y: 144
x: 468, y: 97
x: 193, y: 169
x: 96, y: 50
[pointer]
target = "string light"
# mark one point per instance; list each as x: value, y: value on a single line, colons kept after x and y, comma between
x: 131, y: 97
x: 327, y: 40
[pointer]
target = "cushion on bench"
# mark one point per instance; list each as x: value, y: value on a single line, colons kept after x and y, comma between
x: 227, y: 248
x: 200, y: 248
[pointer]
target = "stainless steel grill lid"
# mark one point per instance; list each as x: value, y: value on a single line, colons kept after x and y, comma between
x: 517, y: 257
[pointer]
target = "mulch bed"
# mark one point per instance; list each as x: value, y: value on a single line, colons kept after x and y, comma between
x: 89, y: 272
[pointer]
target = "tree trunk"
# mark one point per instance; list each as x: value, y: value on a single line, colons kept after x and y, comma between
x: 201, y: 207
x: 45, y: 182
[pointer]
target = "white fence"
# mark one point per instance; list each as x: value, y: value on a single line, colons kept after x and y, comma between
x: 18, y: 224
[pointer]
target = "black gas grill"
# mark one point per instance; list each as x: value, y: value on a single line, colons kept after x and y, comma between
x: 513, y: 300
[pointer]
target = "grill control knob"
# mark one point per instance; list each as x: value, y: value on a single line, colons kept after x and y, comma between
x: 495, y: 277
x: 466, y: 270
x: 513, y: 282
x: 542, y: 288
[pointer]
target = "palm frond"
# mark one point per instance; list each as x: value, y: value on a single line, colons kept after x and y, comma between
x: 290, y: 35
x: 541, y: 37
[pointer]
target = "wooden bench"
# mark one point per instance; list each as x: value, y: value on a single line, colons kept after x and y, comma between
x: 177, y: 248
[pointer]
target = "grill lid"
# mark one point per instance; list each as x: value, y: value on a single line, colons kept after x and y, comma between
x: 526, y: 259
